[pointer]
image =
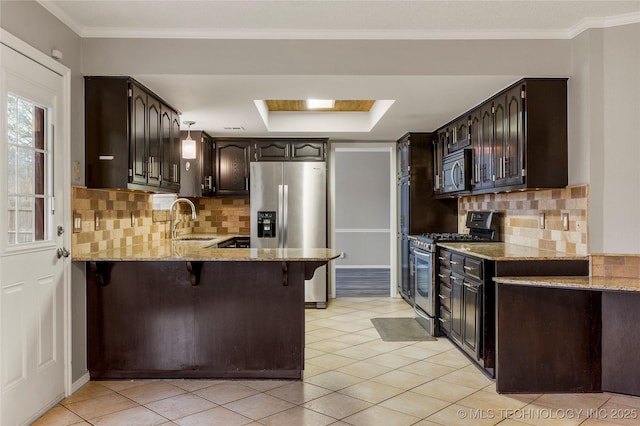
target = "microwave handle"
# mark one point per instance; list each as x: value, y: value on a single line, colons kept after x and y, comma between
x: 454, y: 181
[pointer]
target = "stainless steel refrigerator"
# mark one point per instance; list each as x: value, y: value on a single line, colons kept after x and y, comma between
x: 289, y: 210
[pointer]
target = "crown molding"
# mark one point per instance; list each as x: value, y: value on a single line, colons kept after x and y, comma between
x: 301, y: 34
x: 607, y: 22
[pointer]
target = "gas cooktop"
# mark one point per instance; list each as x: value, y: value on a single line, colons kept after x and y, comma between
x: 482, y: 226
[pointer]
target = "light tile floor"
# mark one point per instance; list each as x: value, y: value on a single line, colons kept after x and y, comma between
x: 352, y: 377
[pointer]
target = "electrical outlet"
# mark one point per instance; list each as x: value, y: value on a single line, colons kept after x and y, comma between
x: 541, y: 221
x: 77, y: 222
x: 97, y: 220
x: 133, y: 219
x: 565, y: 221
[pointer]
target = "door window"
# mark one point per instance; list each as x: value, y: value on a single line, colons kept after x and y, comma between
x: 28, y: 159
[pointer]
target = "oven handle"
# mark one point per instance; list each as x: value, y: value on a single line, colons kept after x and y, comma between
x: 420, y: 313
x: 424, y: 254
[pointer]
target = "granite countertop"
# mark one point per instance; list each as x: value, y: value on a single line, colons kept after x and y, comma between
x: 500, y: 251
x: 200, y: 250
x: 579, y: 283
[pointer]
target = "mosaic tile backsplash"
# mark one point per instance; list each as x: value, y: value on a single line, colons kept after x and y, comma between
x: 108, y: 218
x: 520, y: 217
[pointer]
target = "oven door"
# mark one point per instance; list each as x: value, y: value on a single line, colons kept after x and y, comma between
x: 425, y: 303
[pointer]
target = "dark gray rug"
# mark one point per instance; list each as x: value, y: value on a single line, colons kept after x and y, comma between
x: 400, y: 330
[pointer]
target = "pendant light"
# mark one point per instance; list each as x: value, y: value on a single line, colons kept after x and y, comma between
x: 188, y: 144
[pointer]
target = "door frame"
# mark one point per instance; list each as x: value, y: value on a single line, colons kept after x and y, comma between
x: 64, y: 129
x: 389, y: 147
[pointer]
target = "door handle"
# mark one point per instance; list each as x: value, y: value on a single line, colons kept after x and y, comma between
x: 62, y: 252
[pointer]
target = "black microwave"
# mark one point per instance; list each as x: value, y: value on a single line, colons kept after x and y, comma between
x: 456, y: 170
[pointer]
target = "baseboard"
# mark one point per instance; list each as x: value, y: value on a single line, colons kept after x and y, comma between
x: 75, y: 386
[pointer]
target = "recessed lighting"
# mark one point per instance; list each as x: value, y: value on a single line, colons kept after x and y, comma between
x: 320, y: 103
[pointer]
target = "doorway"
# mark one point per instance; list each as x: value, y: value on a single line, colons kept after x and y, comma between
x: 34, y: 264
x: 363, y: 208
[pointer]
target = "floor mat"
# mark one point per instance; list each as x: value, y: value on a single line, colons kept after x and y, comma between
x: 400, y: 330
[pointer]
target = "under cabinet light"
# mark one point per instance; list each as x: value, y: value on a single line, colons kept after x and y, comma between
x: 188, y: 144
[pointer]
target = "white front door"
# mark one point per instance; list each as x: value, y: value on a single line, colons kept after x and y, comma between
x: 32, y: 276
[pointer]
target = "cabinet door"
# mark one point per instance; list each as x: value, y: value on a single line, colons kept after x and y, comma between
x: 307, y: 151
x: 154, y: 143
x: 514, y: 143
x: 482, y: 139
x: 471, y: 314
x: 460, y: 136
x: 208, y: 166
x: 232, y: 168
x: 170, y: 138
x: 176, y: 149
x: 272, y: 151
x: 138, y: 135
x: 486, y: 142
x: 476, y: 148
x: 438, y: 153
x: 457, y: 312
x: 499, y: 140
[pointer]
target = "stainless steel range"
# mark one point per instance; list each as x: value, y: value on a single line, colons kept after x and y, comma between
x: 482, y: 226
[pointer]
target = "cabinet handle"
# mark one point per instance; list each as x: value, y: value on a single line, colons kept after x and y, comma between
x: 442, y: 296
x: 246, y: 184
x: 454, y: 181
x: 475, y: 287
x: 468, y: 268
x: 455, y: 263
x: 453, y: 278
x: 442, y: 320
x: 442, y: 275
x: 442, y: 258
x: 208, y: 182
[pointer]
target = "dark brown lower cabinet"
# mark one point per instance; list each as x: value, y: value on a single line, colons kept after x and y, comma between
x: 179, y: 319
x: 548, y: 340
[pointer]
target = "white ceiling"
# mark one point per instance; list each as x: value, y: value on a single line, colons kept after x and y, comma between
x: 218, y: 101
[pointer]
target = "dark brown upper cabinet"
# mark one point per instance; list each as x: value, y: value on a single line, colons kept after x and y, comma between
x: 518, y: 137
x: 288, y: 149
x: 232, y: 167
x: 482, y: 144
x: 171, y: 148
x: 459, y: 134
x: 132, y: 137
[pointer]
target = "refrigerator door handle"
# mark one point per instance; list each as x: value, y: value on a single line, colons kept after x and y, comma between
x: 280, y: 219
x: 285, y: 215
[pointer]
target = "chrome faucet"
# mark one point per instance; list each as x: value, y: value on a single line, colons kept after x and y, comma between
x: 173, y: 225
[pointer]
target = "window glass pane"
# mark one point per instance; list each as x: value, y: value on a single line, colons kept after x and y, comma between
x: 25, y: 122
x: 24, y: 214
x: 12, y: 202
x: 12, y: 159
x: 12, y: 119
x: 39, y: 173
x: 38, y: 130
x: 25, y: 171
x: 38, y: 216
x: 28, y: 189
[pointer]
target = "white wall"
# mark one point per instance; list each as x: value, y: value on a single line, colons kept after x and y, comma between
x: 604, y: 134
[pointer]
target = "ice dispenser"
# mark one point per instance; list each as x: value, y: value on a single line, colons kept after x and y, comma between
x: 266, y: 224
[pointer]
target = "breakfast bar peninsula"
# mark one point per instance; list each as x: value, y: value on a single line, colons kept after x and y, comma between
x: 182, y: 309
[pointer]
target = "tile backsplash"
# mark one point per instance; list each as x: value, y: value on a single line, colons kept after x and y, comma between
x: 615, y: 265
x: 520, y: 217
x: 110, y: 218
